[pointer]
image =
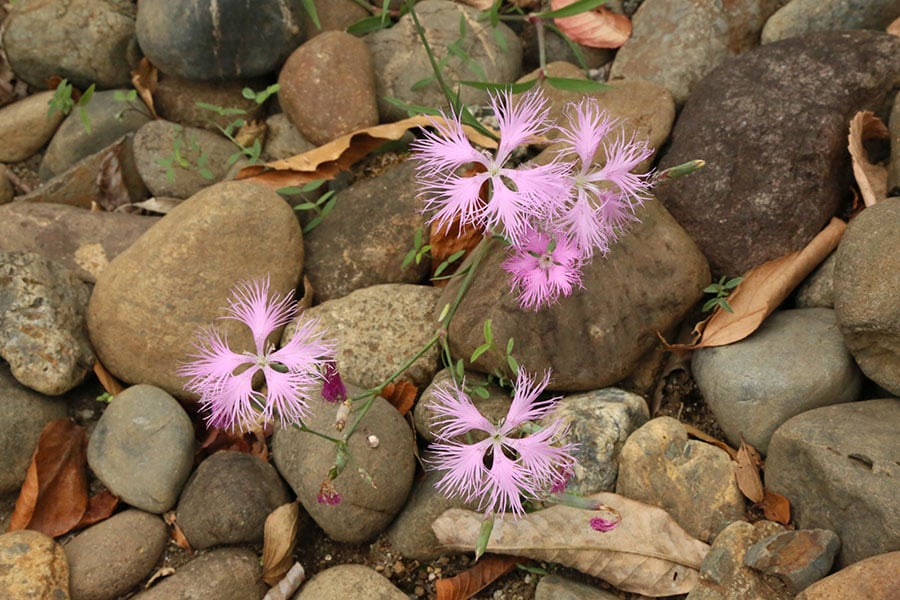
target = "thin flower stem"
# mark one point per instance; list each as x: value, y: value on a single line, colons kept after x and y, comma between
x: 302, y: 427
x: 420, y: 31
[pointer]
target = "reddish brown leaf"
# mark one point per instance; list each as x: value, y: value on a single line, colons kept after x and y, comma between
x: 468, y: 583
x: 747, y: 472
x: 100, y: 507
x: 176, y: 533
x: 598, y: 28
x: 144, y: 79
x: 700, y: 435
x: 54, y: 496
x: 776, y: 507
x: 109, y: 383
x: 402, y: 395
x: 112, y: 191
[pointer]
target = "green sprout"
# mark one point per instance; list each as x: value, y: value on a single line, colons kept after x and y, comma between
x: 253, y: 151
x: 183, y: 149
x: 63, y: 101
x: 721, y: 289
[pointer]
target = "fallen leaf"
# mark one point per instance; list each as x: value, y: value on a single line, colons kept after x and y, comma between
x: 648, y: 553
x: 401, y: 395
x: 701, y: 435
x: 746, y: 471
x: 145, y: 79
x: 326, y: 161
x: 157, y: 205
x: 109, y: 383
x: 53, y: 498
x: 249, y: 133
x: 100, y: 507
x: 176, y: 533
x: 763, y: 289
x: 279, y: 536
x: 470, y: 582
x: 598, y: 28
x: 894, y: 27
x: 776, y: 507
x: 871, y: 178
x: 112, y: 191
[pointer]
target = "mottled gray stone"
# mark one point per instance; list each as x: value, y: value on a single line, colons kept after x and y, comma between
x: 283, y: 139
x: 794, y: 362
x: 223, y: 574
x: 838, y: 466
x: 797, y: 17
x: 142, y: 448
x: 349, y: 581
x: 797, y: 558
x: 32, y: 565
x: 817, y: 290
x: 42, y: 332
x: 876, y: 578
x: 25, y: 127
x: 554, y: 587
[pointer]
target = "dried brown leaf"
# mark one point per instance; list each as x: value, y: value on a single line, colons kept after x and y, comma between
x: 326, y: 161
x: 470, y: 582
x: 598, y: 28
x: 176, y: 533
x: 53, y: 498
x: 746, y: 470
x: 249, y: 133
x: 109, y: 383
x: 871, y: 178
x: 280, y: 534
x: 401, y: 395
x: 894, y: 27
x: 701, y: 435
x: 112, y: 191
x: 100, y: 507
x: 647, y: 553
x: 776, y: 507
x: 157, y: 205
x: 145, y: 79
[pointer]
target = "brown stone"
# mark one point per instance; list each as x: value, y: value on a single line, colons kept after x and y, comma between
x: 32, y: 565
x: 876, y: 578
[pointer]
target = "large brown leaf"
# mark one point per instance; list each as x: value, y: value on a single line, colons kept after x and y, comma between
x: 470, y: 582
x: 280, y: 533
x: 54, y: 498
x: 647, y: 553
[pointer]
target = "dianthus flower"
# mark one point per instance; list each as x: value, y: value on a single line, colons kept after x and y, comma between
x: 543, y: 267
x: 224, y: 379
x: 513, y: 463
x: 516, y: 195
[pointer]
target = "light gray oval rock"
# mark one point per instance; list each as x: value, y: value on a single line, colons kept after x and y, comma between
x: 377, y: 328
x: 363, y: 240
x: 109, y: 120
x: 595, y: 337
x: 802, y: 16
x: 283, y: 139
x: 794, y: 362
x: 109, y: 558
x: 400, y: 60
x: 554, y: 587
x: 42, y: 323
x: 142, y: 448
x: 85, y: 41
x: 304, y: 460
x: 692, y: 480
x: 25, y: 127
x: 838, y: 467
x: 223, y: 574
x: 158, y: 146
x: 210, y: 513
x: 143, y: 315
x: 817, y: 290
x: 32, y: 565
x: 23, y: 414
x: 772, y: 124
x: 349, y: 581
x: 867, y: 292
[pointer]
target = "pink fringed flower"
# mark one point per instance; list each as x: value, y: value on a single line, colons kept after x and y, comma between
x: 543, y: 268
x: 516, y: 196
x: 513, y: 463
x: 224, y: 379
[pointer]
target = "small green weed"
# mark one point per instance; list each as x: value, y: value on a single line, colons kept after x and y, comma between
x: 63, y: 101
x: 721, y: 289
x: 184, y: 148
x: 322, y: 206
x: 254, y: 150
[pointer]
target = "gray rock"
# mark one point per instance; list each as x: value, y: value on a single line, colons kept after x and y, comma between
x: 596, y: 336
x: 142, y: 448
x: 349, y: 581
x: 108, y: 559
x: 363, y: 240
x: 175, y: 99
x: 223, y: 574
x: 692, y: 480
x: 23, y: 414
x: 328, y: 87
x: 817, y: 290
x: 400, y: 59
x: 32, y: 565
x: 554, y: 587
x: 876, y: 578
x: 678, y: 42
x: 211, y: 513
x: 283, y: 139
x: 73, y: 141
x: 802, y: 16
x: 86, y: 41
x: 723, y: 575
x: 159, y: 144
x: 598, y: 424
x: 141, y: 319
x: 794, y: 362
x: 304, y: 460
x: 798, y: 558
x: 377, y: 328
x: 42, y: 332
x: 751, y: 119
x: 867, y: 292
x: 81, y: 240
x: 838, y: 467
x: 25, y: 127
x: 204, y: 40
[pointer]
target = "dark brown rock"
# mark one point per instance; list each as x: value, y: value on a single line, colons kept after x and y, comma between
x: 798, y: 558
x: 175, y: 99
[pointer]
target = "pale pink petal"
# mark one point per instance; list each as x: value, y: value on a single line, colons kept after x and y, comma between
x: 261, y: 312
x: 521, y: 118
x: 526, y: 403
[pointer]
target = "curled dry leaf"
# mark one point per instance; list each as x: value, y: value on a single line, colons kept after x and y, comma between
x: 703, y: 436
x: 99, y: 508
x: 144, y: 79
x: 598, y: 28
x: 746, y: 470
x: 894, y: 27
x: 326, y: 161
x: 401, y: 395
x: 278, y: 542
x: 776, y: 507
x: 648, y: 553
x: 871, y: 178
x: 109, y: 383
x: 176, y: 533
x: 112, y: 191
x: 470, y: 582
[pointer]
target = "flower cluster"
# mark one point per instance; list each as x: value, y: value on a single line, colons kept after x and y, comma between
x: 555, y: 216
x: 516, y: 461
x: 226, y: 380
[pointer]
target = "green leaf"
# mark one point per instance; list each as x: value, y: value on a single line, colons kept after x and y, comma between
x: 509, y: 345
x: 479, y: 351
x: 441, y: 268
x: 206, y: 174
x: 369, y: 24
x: 234, y: 158
x: 513, y: 364
x: 444, y: 312
x: 733, y: 283
x: 87, y: 95
x: 707, y: 306
x: 85, y: 119
x: 417, y: 237
x: 422, y: 83
x: 460, y: 370
x: 482, y: 392
x: 248, y: 93
x: 310, y: 7
x: 725, y: 306
x: 570, y: 10
x: 499, y: 38
x: 712, y: 288
x: 311, y: 186
x: 577, y: 85
x: 488, y: 334
x: 575, y: 47
x: 484, y: 536
x: 407, y: 260
x: 312, y: 224
x: 512, y: 88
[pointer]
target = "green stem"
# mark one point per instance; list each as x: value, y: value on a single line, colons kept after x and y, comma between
x: 420, y: 31
x: 302, y: 427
